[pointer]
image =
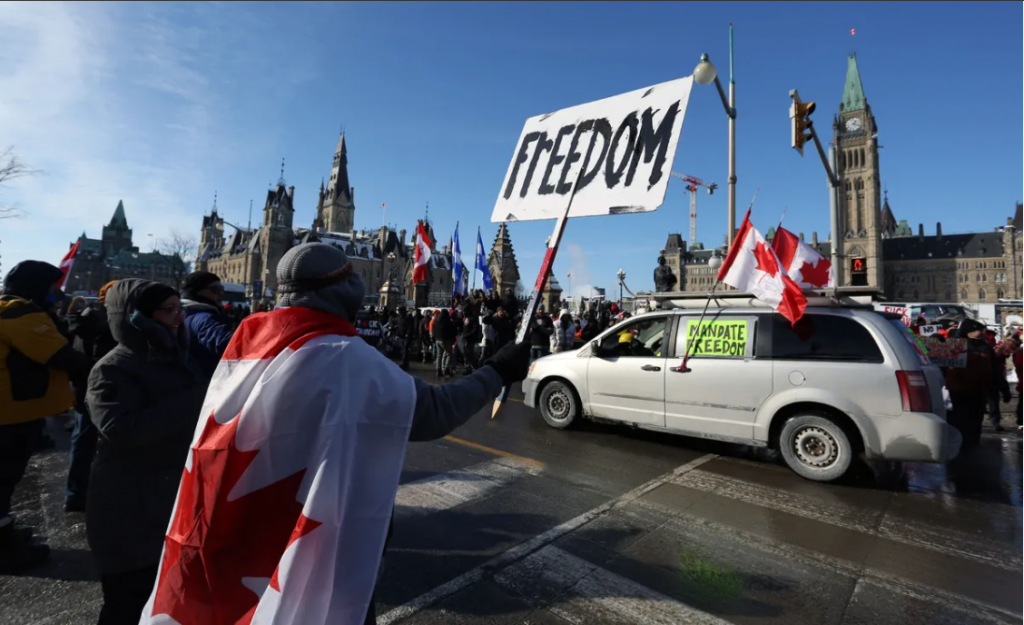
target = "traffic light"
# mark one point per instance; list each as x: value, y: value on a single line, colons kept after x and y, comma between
x: 800, y: 118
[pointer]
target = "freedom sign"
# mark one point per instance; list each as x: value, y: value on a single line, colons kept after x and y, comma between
x: 723, y: 339
x: 625, y: 146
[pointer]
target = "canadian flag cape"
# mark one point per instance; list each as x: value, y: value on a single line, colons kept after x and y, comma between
x: 753, y: 267
x: 802, y: 262
x: 288, y: 489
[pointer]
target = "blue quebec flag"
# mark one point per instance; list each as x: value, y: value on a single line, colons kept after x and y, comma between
x: 458, y: 284
x: 481, y: 262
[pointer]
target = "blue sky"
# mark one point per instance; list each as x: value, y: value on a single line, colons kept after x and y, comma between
x: 162, y: 104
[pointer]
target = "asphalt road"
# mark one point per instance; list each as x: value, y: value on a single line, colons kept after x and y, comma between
x: 510, y: 521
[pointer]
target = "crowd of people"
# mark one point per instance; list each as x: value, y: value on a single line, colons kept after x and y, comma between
x: 460, y: 337
x: 977, y: 388
x: 134, y: 368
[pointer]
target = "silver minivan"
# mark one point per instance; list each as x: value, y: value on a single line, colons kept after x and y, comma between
x: 843, y: 381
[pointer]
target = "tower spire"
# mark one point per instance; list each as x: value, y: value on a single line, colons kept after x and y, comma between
x: 853, y: 92
x: 280, y: 181
x: 214, y: 209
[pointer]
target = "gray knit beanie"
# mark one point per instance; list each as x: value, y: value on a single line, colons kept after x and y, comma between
x: 319, y: 276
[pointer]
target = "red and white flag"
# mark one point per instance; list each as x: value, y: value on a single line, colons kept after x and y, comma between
x: 802, y: 262
x: 287, y: 492
x: 421, y: 257
x: 753, y: 267
x: 67, y: 262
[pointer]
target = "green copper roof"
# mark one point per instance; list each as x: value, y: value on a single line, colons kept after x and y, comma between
x: 119, y: 220
x: 853, y: 93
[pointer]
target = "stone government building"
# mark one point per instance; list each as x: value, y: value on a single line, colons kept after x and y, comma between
x: 383, y: 257
x: 114, y: 257
x: 980, y: 267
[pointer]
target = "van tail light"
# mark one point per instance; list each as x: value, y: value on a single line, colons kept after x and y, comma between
x: 914, y: 391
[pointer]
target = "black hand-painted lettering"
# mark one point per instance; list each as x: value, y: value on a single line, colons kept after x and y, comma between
x: 612, y: 175
x: 554, y: 161
x: 573, y: 156
x: 602, y: 129
x: 521, y: 158
x: 651, y: 140
x: 543, y: 145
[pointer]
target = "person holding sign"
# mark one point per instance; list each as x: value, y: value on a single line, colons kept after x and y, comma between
x: 969, y: 386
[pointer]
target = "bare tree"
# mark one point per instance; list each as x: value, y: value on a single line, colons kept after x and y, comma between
x: 178, y: 251
x: 11, y: 167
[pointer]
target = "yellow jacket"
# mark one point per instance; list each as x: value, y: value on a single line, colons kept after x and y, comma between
x: 30, y: 390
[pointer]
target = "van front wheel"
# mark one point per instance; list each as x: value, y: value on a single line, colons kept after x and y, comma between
x: 558, y: 404
x: 815, y: 447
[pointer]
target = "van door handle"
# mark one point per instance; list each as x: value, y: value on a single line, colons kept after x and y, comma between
x: 650, y: 368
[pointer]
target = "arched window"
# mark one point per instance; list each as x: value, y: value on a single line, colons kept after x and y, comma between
x: 977, y: 277
x: 861, y: 157
x: 984, y: 277
x: 982, y: 294
x: 899, y: 294
x: 963, y: 294
x: 916, y: 296
x: 949, y: 296
x: 1000, y: 294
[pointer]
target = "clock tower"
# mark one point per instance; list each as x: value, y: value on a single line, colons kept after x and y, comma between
x: 860, y: 207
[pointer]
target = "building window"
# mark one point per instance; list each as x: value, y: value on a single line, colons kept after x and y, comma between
x: 916, y: 295
x: 1000, y: 294
x: 963, y: 294
x: 982, y: 294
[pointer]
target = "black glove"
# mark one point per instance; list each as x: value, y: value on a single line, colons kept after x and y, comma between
x: 512, y: 362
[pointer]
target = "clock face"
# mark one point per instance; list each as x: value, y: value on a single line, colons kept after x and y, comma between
x: 853, y: 124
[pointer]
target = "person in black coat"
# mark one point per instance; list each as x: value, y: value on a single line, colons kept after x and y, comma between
x: 444, y: 338
x: 91, y: 336
x: 144, y: 398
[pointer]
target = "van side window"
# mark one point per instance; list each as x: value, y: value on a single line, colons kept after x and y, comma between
x: 643, y: 338
x: 823, y: 337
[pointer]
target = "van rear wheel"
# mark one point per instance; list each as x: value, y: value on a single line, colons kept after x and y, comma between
x: 558, y: 404
x: 815, y: 447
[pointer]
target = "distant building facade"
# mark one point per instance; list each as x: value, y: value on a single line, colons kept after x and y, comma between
x: 382, y: 258
x: 981, y: 267
x: 114, y: 256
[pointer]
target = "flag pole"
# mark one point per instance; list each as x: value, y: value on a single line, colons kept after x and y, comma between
x: 686, y: 355
x: 475, y: 255
x: 779, y: 227
x: 545, y: 268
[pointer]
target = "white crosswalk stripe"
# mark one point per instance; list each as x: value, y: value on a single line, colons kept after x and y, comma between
x: 448, y: 490
x: 590, y: 594
x: 945, y: 540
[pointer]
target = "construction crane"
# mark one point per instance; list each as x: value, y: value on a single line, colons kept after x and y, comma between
x: 692, y: 182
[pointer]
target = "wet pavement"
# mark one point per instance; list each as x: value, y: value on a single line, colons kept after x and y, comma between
x: 510, y: 521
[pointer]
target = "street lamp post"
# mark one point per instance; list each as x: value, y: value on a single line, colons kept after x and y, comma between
x: 622, y: 278
x: 704, y: 74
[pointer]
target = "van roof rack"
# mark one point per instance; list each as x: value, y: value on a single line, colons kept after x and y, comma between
x: 841, y: 297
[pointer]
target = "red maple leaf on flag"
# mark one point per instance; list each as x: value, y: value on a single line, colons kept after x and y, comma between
x: 816, y: 275
x: 766, y: 259
x: 214, y: 542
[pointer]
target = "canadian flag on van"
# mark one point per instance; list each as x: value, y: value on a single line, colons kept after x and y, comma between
x: 802, y: 262
x: 753, y: 267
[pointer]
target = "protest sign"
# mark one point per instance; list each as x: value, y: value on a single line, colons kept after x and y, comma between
x: 903, y: 311
x: 625, y: 145
x: 928, y: 330
x: 948, y: 353
x: 721, y: 339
